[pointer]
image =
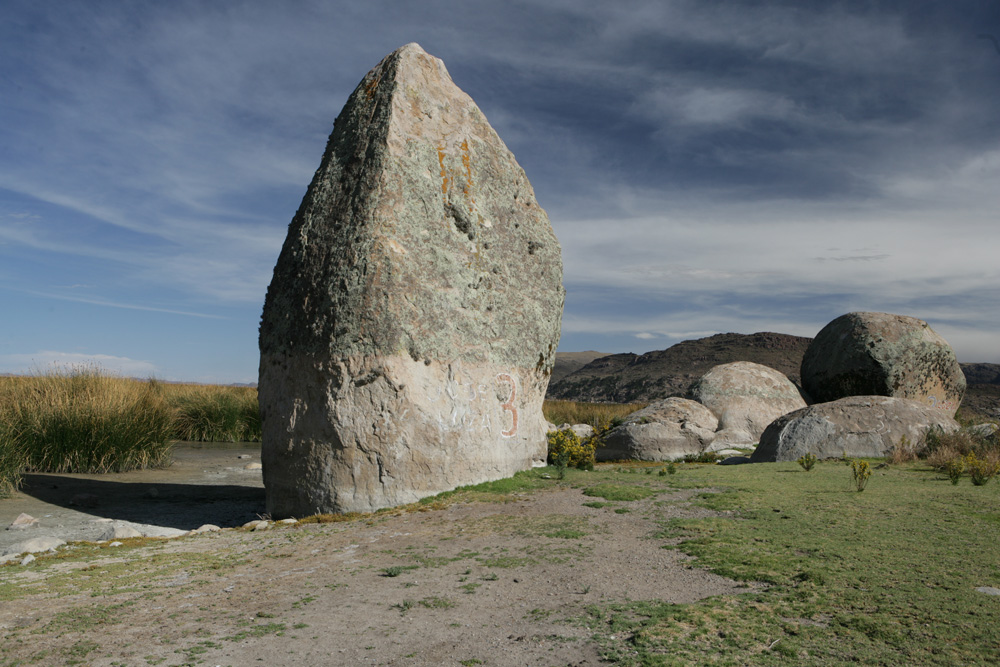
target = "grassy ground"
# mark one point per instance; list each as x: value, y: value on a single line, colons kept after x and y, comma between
x: 886, y: 576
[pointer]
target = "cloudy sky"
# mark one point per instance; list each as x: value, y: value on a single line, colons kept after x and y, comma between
x: 708, y: 167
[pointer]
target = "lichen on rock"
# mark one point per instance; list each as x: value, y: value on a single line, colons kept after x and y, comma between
x: 411, y: 324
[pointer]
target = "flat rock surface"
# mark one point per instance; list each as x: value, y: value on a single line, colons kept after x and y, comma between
x: 205, y: 484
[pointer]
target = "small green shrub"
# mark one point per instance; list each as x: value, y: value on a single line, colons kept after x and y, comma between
x: 704, y: 457
x: 982, y: 470
x: 566, y: 446
x: 861, y: 471
x: 954, y: 469
x: 807, y: 461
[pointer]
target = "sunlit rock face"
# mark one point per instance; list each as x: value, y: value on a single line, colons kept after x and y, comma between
x: 411, y: 324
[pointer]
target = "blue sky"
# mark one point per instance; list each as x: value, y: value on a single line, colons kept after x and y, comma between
x: 707, y: 167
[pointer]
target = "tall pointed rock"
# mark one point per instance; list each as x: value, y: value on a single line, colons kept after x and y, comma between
x: 411, y: 324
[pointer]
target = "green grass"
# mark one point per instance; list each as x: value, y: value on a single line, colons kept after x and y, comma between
x: 619, y: 492
x: 887, y: 576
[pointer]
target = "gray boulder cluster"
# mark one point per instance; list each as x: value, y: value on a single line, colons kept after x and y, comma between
x: 871, y: 382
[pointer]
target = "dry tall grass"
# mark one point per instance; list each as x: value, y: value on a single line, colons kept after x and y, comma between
x: 599, y: 415
x: 214, y: 413
x: 84, y: 420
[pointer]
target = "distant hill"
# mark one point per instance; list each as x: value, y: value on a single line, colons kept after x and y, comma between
x: 569, y: 362
x: 626, y: 378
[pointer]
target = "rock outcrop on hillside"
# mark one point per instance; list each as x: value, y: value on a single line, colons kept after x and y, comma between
x: 856, y: 426
x: 746, y: 397
x: 410, y: 327
x: 663, y: 431
x: 880, y: 354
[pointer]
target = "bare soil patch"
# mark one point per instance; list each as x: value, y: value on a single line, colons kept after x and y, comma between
x: 459, y: 583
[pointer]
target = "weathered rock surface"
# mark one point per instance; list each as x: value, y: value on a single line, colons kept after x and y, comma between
x: 22, y: 522
x: 410, y: 327
x: 856, y: 426
x: 861, y: 354
x: 663, y: 431
x: 32, y: 546
x: 746, y: 397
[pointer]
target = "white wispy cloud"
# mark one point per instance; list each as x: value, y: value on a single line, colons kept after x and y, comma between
x: 46, y: 360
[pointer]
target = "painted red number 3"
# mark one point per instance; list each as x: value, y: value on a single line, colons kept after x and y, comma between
x: 509, y: 405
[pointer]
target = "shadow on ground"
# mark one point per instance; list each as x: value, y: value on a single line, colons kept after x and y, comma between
x: 183, y: 506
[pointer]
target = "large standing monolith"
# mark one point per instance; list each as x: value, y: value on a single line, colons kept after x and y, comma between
x: 411, y: 324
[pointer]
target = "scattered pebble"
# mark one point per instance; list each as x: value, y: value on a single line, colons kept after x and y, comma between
x: 253, y: 466
x: 115, y: 544
x: 27, y: 559
x: 244, y: 456
x: 288, y: 522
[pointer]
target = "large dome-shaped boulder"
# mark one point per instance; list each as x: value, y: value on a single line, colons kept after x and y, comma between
x: 746, y: 397
x: 662, y: 431
x: 856, y: 426
x: 878, y: 354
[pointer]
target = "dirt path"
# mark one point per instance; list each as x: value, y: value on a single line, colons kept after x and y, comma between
x: 474, y: 584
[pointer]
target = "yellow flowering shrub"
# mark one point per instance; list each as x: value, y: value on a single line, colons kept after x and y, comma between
x: 567, y: 448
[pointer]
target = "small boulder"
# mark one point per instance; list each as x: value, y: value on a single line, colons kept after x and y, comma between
x: 34, y: 545
x: 662, y: 431
x: 865, y: 354
x: 856, y: 426
x: 119, y: 531
x: 583, y: 431
x: 746, y: 397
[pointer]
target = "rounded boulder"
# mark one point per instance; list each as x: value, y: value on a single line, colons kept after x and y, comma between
x: 662, y: 431
x: 880, y: 354
x: 745, y: 397
x: 856, y: 426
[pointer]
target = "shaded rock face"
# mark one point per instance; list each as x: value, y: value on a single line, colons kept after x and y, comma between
x: 856, y: 426
x: 746, y: 397
x: 663, y: 431
x: 860, y: 354
x: 410, y: 327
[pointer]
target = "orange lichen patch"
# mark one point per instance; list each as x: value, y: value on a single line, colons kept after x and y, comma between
x: 371, y: 86
x: 467, y: 163
x: 444, y: 172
